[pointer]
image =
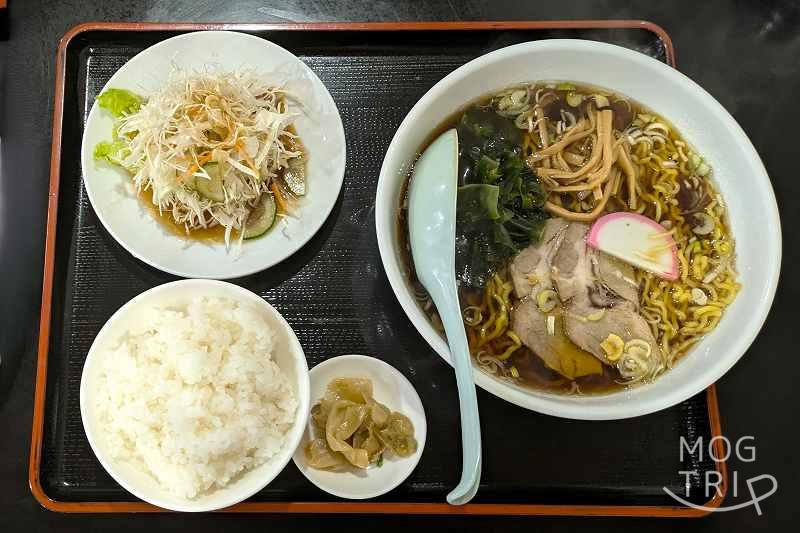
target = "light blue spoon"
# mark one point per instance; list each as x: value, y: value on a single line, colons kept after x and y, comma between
x: 432, y: 232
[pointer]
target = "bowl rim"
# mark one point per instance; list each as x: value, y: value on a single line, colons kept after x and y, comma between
x: 411, y: 462
x: 546, y: 402
x: 278, y: 461
x: 324, y: 93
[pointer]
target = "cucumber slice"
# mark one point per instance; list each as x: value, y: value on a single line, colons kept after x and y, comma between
x: 190, y: 182
x: 261, y: 218
x: 211, y: 189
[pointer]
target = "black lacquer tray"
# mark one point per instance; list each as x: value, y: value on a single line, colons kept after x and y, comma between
x: 337, y: 298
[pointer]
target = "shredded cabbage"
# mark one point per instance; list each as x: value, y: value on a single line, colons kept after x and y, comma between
x: 236, y: 119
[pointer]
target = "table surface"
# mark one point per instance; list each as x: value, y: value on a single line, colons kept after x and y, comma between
x: 742, y: 51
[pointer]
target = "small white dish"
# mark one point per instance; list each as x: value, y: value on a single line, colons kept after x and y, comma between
x: 288, y: 354
x: 391, y: 388
x: 319, y: 125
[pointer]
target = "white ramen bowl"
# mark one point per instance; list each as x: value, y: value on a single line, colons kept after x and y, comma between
x: 131, y: 223
x: 287, y: 354
x: 706, y: 125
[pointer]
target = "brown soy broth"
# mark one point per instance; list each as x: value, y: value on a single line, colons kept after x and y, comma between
x: 215, y: 234
x: 532, y: 370
x: 535, y: 373
x: 295, y: 145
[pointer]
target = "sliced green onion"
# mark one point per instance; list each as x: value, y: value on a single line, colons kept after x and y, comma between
x: 472, y: 315
x: 574, y: 99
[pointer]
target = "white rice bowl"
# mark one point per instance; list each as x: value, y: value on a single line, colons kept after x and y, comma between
x: 194, y: 393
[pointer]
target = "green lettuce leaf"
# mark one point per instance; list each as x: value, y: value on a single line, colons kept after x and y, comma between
x: 120, y: 102
x: 113, y: 152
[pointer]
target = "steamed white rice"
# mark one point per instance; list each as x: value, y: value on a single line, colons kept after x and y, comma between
x: 192, y: 395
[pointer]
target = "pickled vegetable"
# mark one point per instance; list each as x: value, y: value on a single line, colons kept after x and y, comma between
x: 352, y: 428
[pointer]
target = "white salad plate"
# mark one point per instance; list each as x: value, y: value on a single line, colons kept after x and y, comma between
x: 391, y: 388
x: 129, y: 220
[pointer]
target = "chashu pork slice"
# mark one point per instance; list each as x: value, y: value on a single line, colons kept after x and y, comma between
x: 530, y: 273
x: 531, y: 267
x: 598, y: 310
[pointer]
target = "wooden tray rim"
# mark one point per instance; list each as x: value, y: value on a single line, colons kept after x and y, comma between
x: 344, y: 507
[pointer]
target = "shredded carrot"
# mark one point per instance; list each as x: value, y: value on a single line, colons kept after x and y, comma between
x: 279, y: 199
x: 240, y: 146
x: 194, y: 167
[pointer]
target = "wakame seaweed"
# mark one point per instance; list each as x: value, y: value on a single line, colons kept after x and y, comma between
x: 500, y: 202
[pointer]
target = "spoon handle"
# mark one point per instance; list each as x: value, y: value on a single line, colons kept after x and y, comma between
x: 450, y: 312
